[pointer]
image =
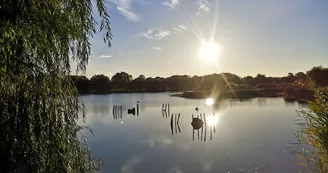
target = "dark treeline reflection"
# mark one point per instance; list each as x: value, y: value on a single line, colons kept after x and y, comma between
x: 123, y: 82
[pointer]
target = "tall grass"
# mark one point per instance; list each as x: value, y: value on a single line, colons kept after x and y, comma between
x: 315, y: 133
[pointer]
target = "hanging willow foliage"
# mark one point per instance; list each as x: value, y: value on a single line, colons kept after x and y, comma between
x: 39, y: 105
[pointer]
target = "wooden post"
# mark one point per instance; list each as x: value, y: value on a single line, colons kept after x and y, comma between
x: 178, y: 118
x: 175, y: 124
x: 205, y: 127
x: 171, y: 124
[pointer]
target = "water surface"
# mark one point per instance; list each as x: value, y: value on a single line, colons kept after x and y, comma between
x: 241, y: 136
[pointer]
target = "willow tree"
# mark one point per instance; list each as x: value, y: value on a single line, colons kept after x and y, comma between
x: 39, y: 105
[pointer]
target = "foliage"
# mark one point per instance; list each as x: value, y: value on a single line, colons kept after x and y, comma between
x: 81, y: 83
x: 316, y: 133
x: 121, y: 79
x: 123, y: 82
x: 39, y: 104
x: 319, y: 76
x: 100, y: 84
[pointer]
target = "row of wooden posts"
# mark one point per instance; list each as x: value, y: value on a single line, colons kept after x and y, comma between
x: 117, y: 111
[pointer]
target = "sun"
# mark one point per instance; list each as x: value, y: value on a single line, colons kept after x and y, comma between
x: 210, y: 51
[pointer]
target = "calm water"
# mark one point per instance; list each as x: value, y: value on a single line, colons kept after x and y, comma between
x: 249, y: 136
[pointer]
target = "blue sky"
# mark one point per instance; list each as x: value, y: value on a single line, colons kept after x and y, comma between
x: 163, y: 37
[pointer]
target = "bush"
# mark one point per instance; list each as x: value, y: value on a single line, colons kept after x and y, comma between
x: 316, y: 133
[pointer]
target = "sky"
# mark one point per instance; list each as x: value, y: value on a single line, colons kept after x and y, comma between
x: 163, y: 37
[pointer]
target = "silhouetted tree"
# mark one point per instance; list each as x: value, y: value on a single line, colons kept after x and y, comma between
x: 319, y: 75
x: 81, y: 84
x: 100, y: 84
x: 120, y: 80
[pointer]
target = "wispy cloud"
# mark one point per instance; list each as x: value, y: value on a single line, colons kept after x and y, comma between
x: 203, y: 6
x: 171, y: 3
x: 183, y: 27
x: 180, y: 28
x: 156, y: 34
x: 104, y: 56
x: 157, y: 48
x: 124, y: 8
x: 128, y: 14
x: 161, y: 33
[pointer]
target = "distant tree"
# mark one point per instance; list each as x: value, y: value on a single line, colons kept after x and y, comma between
x: 140, y: 78
x: 120, y: 80
x: 81, y: 83
x: 300, y: 75
x: 319, y: 75
x: 100, y: 84
x: 290, y: 74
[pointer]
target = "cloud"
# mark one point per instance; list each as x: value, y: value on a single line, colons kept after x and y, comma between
x: 127, y: 14
x: 124, y: 8
x: 159, y: 142
x: 156, y: 34
x: 175, y: 170
x: 157, y: 48
x: 171, y: 3
x: 177, y: 29
x: 104, y: 56
x: 129, y: 166
x: 203, y: 6
x: 123, y: 3
x: 161, y: 33
x: 183, y: 27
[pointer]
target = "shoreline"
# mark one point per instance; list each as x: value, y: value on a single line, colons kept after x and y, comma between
x: 300, y: 95
x: 289, y: 95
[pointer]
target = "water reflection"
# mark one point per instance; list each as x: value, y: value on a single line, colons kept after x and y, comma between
x: 157, y: 141
x: 166, y: 110
x: 118, y: 111
x: 203, y: 122
x: 176, y: 123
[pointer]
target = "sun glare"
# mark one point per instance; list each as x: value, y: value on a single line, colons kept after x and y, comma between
x: 212, y: 120
x: 210, y: 51
x: 209, y: 101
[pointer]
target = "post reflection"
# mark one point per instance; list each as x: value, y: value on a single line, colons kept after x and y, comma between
x: 203, y: 122
x: 176, y: 124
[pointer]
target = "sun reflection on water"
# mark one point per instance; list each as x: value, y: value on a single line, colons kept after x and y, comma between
x: 209, y: 101
x: 212, y: 120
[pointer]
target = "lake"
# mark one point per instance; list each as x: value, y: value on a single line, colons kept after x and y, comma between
x: 240, y: 136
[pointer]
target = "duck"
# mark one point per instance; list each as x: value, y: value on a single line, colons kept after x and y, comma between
x: 132, y: 111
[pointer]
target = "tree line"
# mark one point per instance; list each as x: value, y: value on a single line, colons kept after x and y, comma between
x: 124, y: 82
